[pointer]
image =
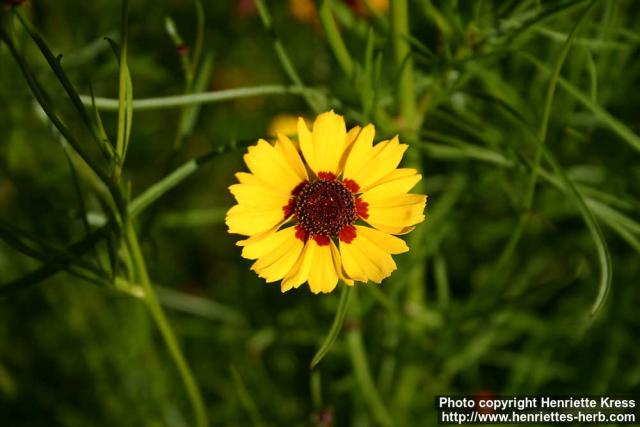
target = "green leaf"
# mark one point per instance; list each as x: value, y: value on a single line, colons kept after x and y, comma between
x: 245, y: 398
x: 61, y: 261
x: 198, y: 306
x: 540, y: 142
x: 54, y: 63
x: 44, y: 100
x: 193, y: 218
x: 622, y: 130
x: 158, y: 189
x: 189, y: 117
x: 457, y: 148
x: 125, y: 91
x: 604, y: 257
x: 82, y: 246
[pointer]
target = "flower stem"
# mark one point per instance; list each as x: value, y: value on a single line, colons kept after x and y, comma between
x: 523, y: 221
x: 335, y: 39
x: 336, y: 326
x: 362, y: 373
x: 283, y: 56
x: 404, y: 63
x: 408, y: 121
x: 165, y: 102
x: 166, y: 331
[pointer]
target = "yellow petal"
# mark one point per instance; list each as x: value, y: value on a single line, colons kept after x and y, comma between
x: 351, y: 262
x: 329, y: 139
x: 305, y: 139
x: 337, y: 263
x: 397, y: 184
x: 247, y: 178
x: 248, y: 220
x: 278, y: 254
x: 300, y: 270
x: 398, y: 173
x: 258, y: 196
x: 364, y: 258
x: 360, y: 152
x: 382, y: 164
x: 271, y: 167
x: 385, y: 159
x: 288, y: 151
x: 322, y: 275
x: 396, y: 214
x: 323, y: 148
x: 396, y: 200
x: 260, y: 245
x: 384, y: 241
x: 352, y: 136
x: 392, y: 229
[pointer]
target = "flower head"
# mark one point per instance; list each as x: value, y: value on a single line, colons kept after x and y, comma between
x: 303, y: 10
x: 286, y: 124
x: 326, y: 208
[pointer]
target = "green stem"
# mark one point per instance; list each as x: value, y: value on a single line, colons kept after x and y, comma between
x: 43, y: 99
x: 108, y: 104
x: 246, y: 399
x: 335, y: 39
x: 178, y: 42
x: 283, y: 56
x: 551, y: 90
x: 541, y: 140
x: 363, y: 376
x: 603, y: 116
x: 336, y: 326
x: 199, y: 42
x: 406, y: 101
x: 404, y: 63
x: 161, y: 321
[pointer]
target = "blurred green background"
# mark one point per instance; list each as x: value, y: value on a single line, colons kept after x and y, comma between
x: 452, y: 320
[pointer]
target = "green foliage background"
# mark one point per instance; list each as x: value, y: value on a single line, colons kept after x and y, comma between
x: 464, y: 314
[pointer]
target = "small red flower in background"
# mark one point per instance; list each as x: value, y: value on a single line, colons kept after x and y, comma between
x: 359, y: 6
x: 323, y: 418
x: 245, y: 8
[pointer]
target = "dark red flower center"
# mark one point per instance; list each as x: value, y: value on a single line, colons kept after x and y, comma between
x: 324, y: 207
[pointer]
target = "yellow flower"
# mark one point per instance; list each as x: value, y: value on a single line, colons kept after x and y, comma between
x: 285, y: 124
x: 303, y: 10
x: 325, y: 208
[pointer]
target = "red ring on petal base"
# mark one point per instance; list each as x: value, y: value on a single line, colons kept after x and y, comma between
x: 327, y: 176
x: 301, y: 233
x: 322, y: 240
x: 348, y: 233
x: 351, y: 185
x: 362, y: 208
